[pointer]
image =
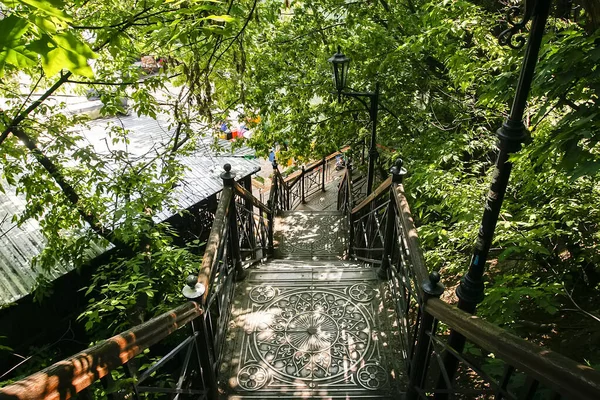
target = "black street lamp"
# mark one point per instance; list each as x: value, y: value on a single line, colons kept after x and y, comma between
x: 340, y: 64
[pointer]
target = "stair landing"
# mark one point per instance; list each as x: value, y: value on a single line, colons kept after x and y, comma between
x: 315, y: 332
x: 318, y: 235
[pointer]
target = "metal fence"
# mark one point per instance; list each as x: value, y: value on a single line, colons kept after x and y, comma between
x: 494, y: 363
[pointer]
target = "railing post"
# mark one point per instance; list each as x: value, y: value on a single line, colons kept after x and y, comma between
x: 270, y: 220
x: 193, y: 290
x: 373, y: 153
x: 273, y: 207
x: 362, y: 152
x: 420, y: 360
x: 302, y: 185
x: 275, y: 182
x: 234, y: 238
x: 323, y: 175
x: 250, y: 221
x: 350, y: 205
x: 398, y: 173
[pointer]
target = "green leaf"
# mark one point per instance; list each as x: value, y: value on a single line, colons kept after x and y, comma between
x: 18, y: 56
x: 12, y: 28
x: 64, y: 51
x: 48, y: 8
x: 219, y: 18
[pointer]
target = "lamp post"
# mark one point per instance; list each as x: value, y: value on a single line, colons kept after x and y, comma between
x: 340, y: 64
x: 511, y: 135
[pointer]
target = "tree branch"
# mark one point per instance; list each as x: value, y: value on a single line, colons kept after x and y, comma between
x: 63, y: 79
x: 236, y: 37
x: 310, y: 33
x: 66, y: 188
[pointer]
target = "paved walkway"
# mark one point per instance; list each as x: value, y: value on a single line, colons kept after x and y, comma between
x: 310, y: 235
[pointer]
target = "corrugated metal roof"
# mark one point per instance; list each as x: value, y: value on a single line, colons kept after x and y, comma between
x: 202, y: 179
x: 18, y: 245
x: 147, y: 134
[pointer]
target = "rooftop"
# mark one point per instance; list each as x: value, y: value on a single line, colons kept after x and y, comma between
x: 19, y: 244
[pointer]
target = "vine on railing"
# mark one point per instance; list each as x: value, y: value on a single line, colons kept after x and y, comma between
x: 495, y: 364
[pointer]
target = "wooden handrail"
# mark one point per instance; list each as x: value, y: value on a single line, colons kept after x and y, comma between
x: 567, y: 377
x: 410, y: 231
x: 250, y: 197
x: 382, y: 189
x: 310, y: 167
x: 217, y: 233
x: 70, y: 376
x: 337, y: 153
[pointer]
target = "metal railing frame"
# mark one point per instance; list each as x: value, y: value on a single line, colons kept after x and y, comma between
x: 528, y: 370
x: 298, y: 187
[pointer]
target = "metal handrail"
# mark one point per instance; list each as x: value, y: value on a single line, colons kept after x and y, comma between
x: 377, y: 193
x: 66, y: 378
x: 256, y: 227
x: 295, y: 184
x: 563, y: 375
x: 241, y: 191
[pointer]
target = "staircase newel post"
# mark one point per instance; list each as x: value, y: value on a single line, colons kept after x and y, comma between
x: 271, y: 217
x: 350, y: 205
x: 302, y: 185
x: 417, y: 371
x: 323, y: 175
x: 273, y: 207
x: 398, y: 173
x: 275, y: 182
x: 234, y: 238
x: 194, y: 291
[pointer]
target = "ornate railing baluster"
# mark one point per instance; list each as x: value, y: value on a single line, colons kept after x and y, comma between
x: 299, y: 186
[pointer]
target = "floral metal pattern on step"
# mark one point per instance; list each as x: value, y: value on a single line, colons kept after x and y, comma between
x: 310, y: 335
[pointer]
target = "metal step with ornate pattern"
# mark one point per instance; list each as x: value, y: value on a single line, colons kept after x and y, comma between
x: 311, y: 331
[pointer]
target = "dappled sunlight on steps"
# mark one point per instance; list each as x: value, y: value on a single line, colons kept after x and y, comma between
x: 309, y: 324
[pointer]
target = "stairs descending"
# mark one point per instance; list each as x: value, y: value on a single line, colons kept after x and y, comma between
x: 309, y: 324
x: 310, y: 235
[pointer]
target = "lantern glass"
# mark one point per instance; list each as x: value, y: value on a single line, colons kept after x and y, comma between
x: 339, y: 63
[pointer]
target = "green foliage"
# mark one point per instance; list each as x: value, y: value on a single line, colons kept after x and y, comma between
x: 134, y: 288
x: 445, y: 84
x: 40, y: 28
x: 448, y: 85
x: 87, y: 201
x: 512, y: 296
